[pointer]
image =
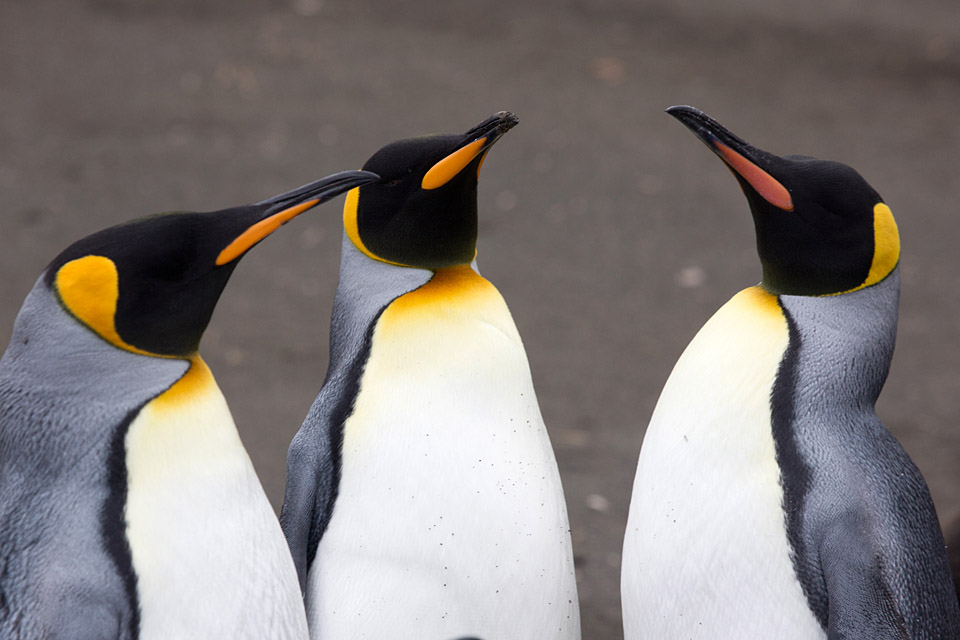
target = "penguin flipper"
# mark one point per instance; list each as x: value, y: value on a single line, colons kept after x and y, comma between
x: 309, y: 492
x: 861, y: 603
x: 299, y: 501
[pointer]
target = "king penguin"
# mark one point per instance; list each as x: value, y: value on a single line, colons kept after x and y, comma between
x: 423, y: 498
x: 128, y: 505
x: 769, y: 500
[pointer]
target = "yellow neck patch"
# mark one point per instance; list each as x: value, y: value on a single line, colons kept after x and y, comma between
x: 196, y: 382
x: 453, y: 286
x: 430, y: 324
x: 89, y: 288
x: 759, y: 300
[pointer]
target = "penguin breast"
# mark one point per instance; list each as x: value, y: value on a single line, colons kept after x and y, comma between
x: 706, y: 550
x: 450, y: 517
x: 199, y: 525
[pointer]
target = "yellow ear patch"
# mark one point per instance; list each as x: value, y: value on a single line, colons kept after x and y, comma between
x: 352, y: 229
x: 444, y: 171
x: 257, y: 232
x: 89, y: 288
x: 886, y: 245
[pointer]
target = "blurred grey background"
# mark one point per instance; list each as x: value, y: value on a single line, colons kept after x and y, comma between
x: 610, y: 230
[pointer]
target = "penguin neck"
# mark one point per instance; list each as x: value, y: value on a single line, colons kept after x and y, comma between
x: 197, y: 381
x: 458, y: 289
x: 48, y: 344
x: 847, y: 339
x: 365, y: 288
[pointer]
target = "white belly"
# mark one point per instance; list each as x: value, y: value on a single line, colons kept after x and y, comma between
x: 450, y: 518
x: 210, y: 558
x: 706, y: 553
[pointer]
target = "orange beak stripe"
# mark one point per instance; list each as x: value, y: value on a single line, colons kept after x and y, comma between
x: 254, y: 234
x: 764, y: 184
x: 444, y: 171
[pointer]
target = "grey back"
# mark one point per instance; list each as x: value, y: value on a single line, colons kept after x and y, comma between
x: 365, y: 289
x: 866, y: 541
x: 66, y: 397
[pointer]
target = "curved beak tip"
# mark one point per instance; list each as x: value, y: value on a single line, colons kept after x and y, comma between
x: 680, y: 108
x: 475, y: 143
x: 705, y: 127
x: 493, y: 127
x: 508, y: 120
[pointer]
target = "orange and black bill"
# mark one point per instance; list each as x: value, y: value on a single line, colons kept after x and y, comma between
x: 752, y: 165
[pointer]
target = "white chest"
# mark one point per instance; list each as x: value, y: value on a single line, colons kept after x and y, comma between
x: 210, y: 558
x: 706, y: 553
x: 450, y: 519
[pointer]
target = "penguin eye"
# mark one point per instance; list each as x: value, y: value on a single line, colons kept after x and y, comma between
x: 392, y: 183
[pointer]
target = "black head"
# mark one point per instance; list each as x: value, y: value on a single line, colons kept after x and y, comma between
x: 151, y: 285
x: 821, y: 229
x: 423, y: 210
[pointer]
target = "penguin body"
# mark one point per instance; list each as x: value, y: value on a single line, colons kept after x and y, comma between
x: 423, y: 497
x: 769, y: 499
x: 702, y: 550
x: 130, y: 508
x: 67, y: 571
x: 185, y: 462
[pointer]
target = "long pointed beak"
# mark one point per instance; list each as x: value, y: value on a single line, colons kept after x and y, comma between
x: 320, y: 190
x: 281, y: 209
x: 493, y: 127
x: 742, y: 158
x: 477, y: 141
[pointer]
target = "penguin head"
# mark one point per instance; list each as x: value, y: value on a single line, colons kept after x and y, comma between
x: 422, y: 212
x: 821, y: 229
x: 150, y: 286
